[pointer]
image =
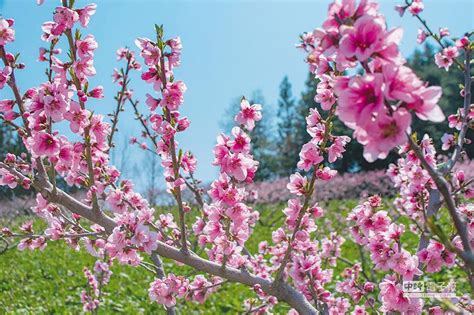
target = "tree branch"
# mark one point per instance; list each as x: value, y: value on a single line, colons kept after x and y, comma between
x: 444, y: 189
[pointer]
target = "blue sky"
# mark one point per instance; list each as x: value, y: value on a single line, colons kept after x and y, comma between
x: 230, y: 48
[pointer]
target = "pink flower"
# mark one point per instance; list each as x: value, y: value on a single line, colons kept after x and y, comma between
x: 44, y: 143
x: 145, y: 239
x: 435, y: 256
x: 425, y: 104
x: 292, y: 212
x: 309, y: 156
x: 416, y: 7
x: 239, y: 166
x: 65, y: 18
x: 97, y: 92
x: 5, y: 76
x: 174, y: 58
x: 7, y: 33
x: 364, y: 39
x: 55, y: 106
x: 451, y: 52
x: 173, y: 95
x: 7, y: 179
x: 314, y: 118
x: 86, y: 13
x: 55, y: 230
x: 152, y: 102
x: 462, y: 43
x: 222, y: 190
x: 32, y: 244
x: 325, y: 173
x: 248, y: 114
x: 149, y: 51
x: 448, y: 141
x: 241, y: 142
x: 99, y: 129
x: 384, y: 133
x: 86, y: 46
x: 455, y: 121
x: 337, y: 148
x: 325, y: 97
x: 401, y: 83
x: 199, y: 289
x: 400, y: 9
x: 42, y: 53
x: 420, y: 39
x: 188, y: 162
x: 298, y: 184
x: 165, y: 291
x: 362, y: 98
x: 77, y: 117
x: 405, y: 264
x: 443, y: 31
x: 446, y: 58
x: 84, y: 67
x: 393, y: 299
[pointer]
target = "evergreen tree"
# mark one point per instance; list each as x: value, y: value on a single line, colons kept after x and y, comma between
x: 305, y: 103
x: 287, y: 125
x: 10, y: 142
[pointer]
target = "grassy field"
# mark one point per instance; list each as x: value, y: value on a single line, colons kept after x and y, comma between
x: 50, y: 281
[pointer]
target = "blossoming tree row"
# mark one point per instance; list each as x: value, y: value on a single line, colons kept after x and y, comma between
x: 363, y: 81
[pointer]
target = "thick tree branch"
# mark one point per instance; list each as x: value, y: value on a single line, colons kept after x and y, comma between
x: 443, y: 187
x: 280, y: 290
x: 434, y: 203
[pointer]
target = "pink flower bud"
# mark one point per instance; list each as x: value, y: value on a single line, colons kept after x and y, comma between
x: 97, y: 92
x: 369, y: 287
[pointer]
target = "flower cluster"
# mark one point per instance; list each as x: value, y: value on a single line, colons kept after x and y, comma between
x: 161, y: 57
x: 228, y: 221
x: 296, y: 253
x: 415, y: 7
x: 376, y: 105
x: 413, y: 181
x: 90, y: 298
x: 376, y: 231
x: 166, y: 291
x: 356, y: 288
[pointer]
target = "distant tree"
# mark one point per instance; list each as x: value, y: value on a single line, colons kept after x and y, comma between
x: 304, y: 104
x: 155, y: 171
x: 287, y: 122
x: 264, y: 148
x: 10, y: 143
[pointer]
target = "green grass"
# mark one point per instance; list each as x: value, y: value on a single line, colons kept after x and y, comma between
x: 50, y: 281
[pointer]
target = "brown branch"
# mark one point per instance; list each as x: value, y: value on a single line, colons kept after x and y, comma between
x: 174, y: 159
x: 307, y: 199
x: 280, y: 290
x: 443, y: 187
x: 120, y: 103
